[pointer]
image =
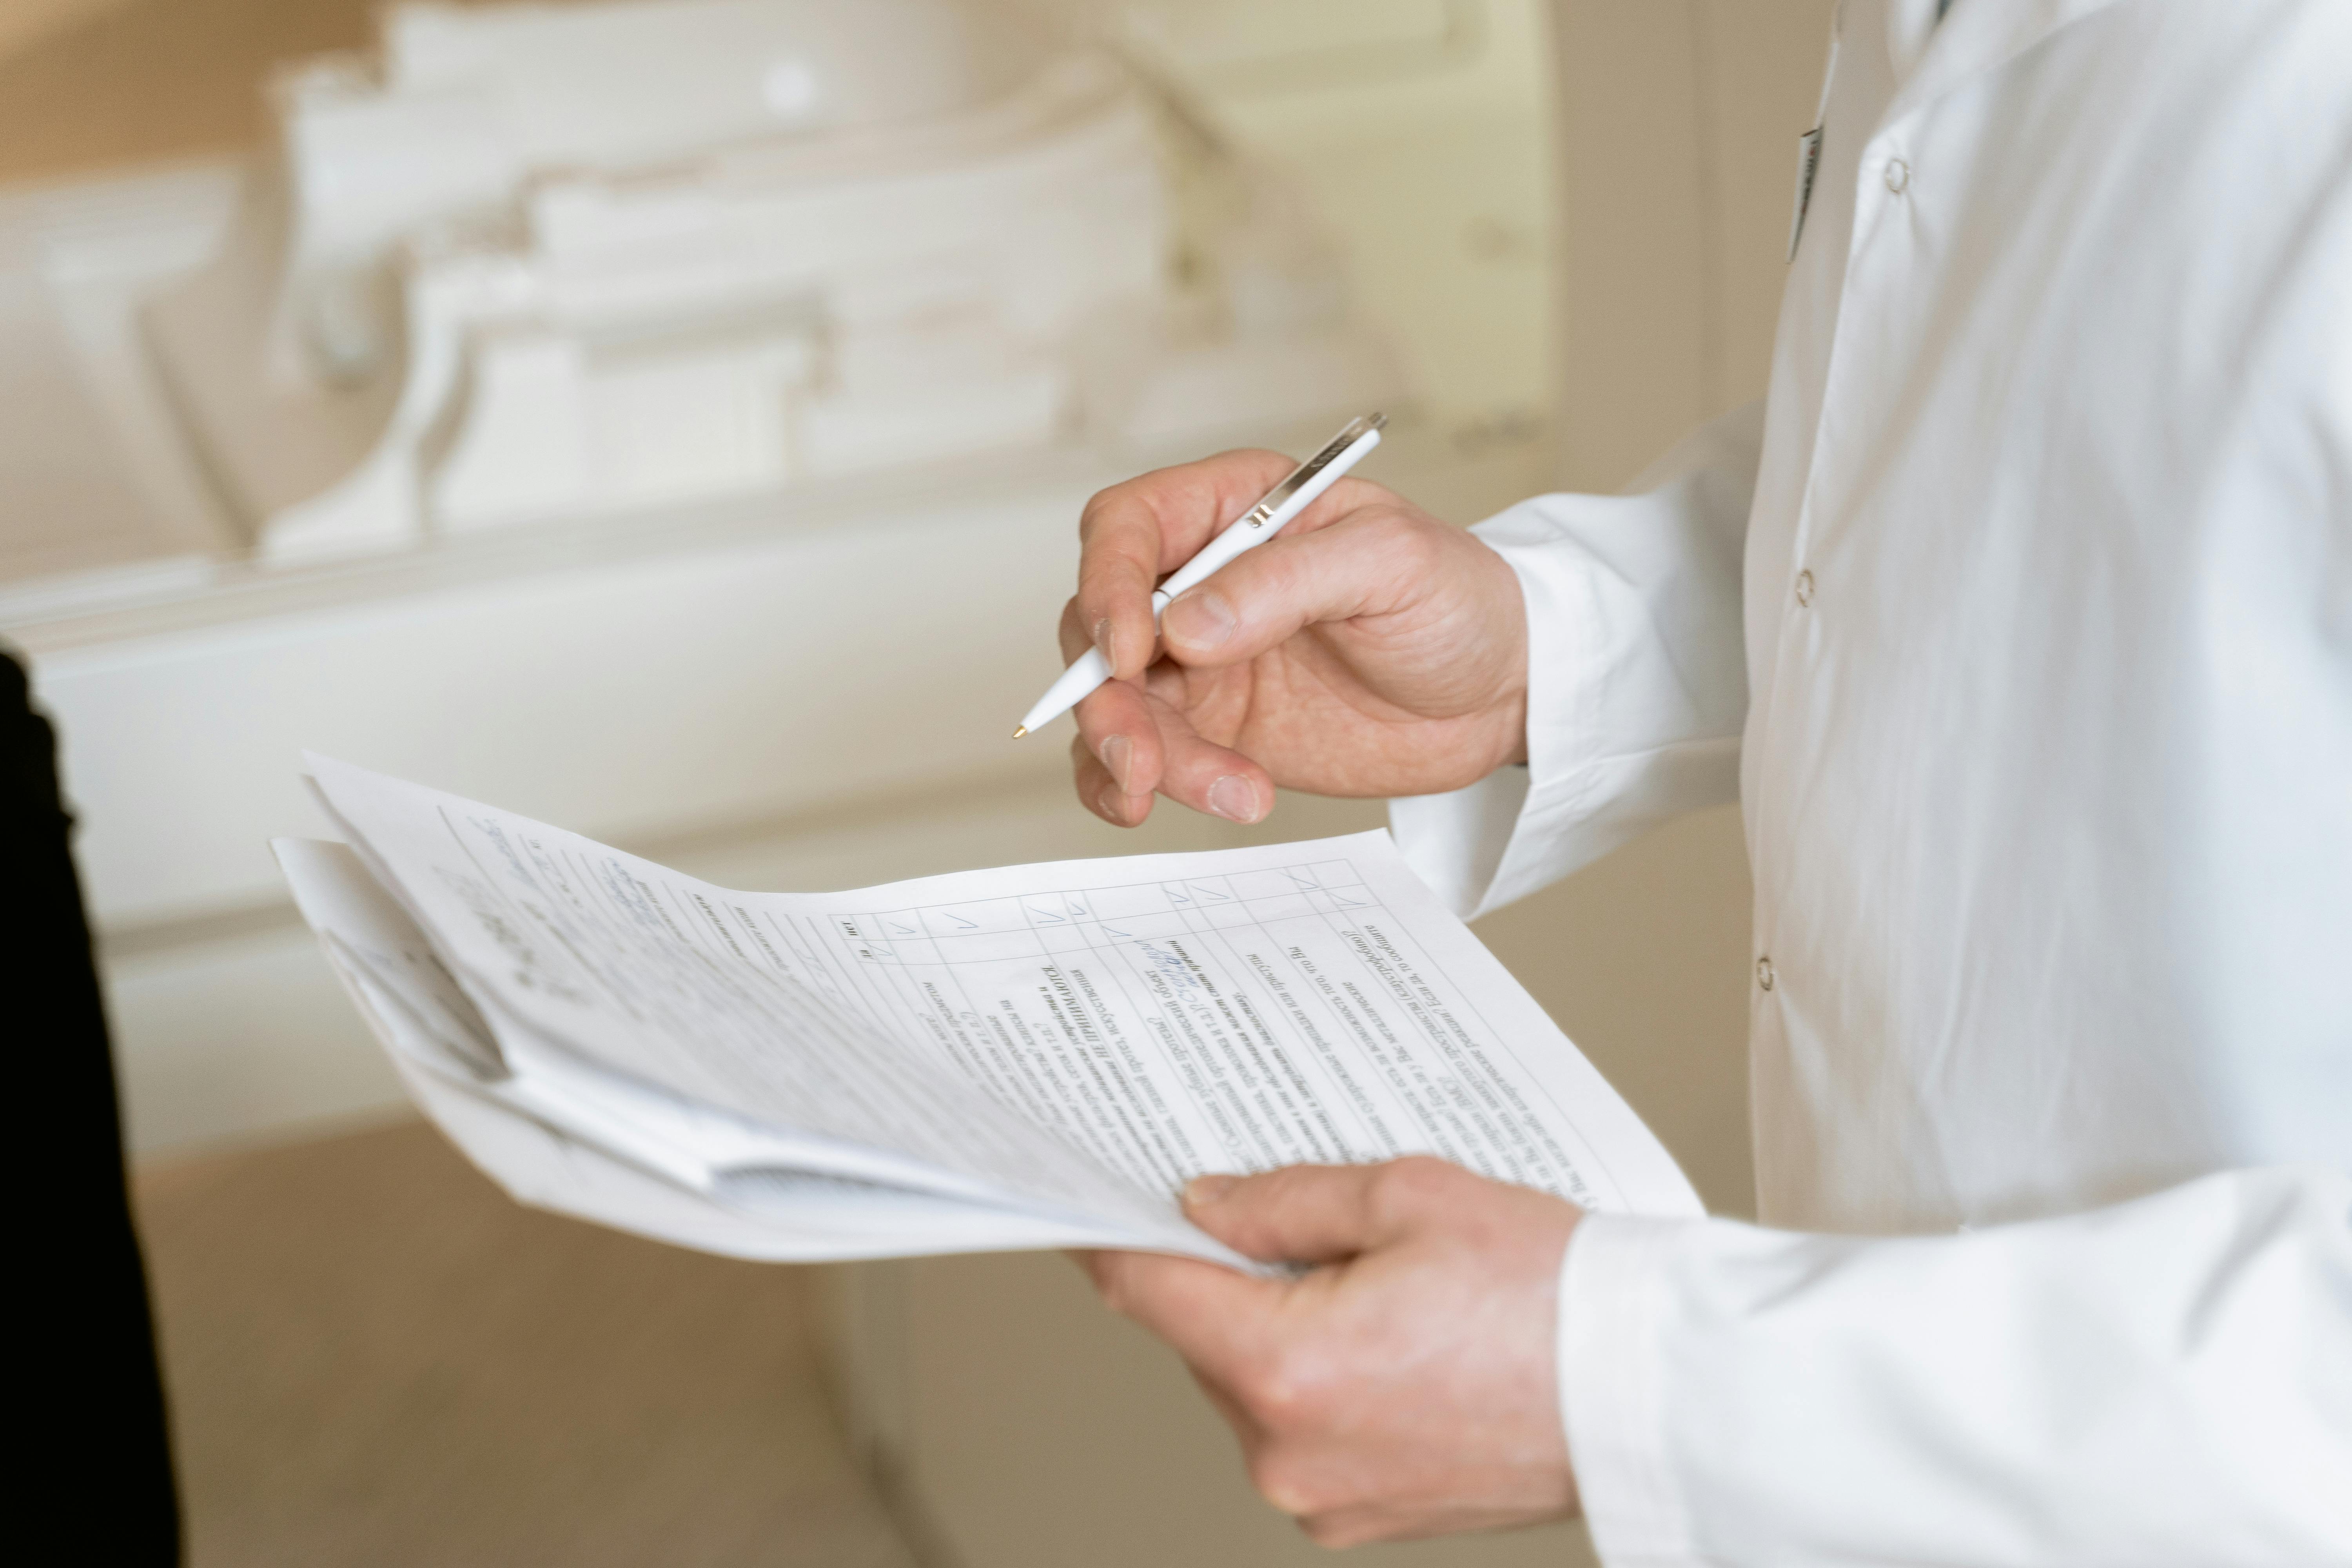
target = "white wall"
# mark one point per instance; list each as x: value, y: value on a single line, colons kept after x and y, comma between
x: 1678, y: 126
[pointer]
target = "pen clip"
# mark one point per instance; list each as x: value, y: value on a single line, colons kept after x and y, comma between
x: 1356, y: 429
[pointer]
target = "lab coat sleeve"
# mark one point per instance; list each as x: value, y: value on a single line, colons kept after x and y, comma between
x: 1637, y: 679
x: 2165, y: 1382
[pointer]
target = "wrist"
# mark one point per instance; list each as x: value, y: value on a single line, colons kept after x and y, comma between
x: 1510, y: 612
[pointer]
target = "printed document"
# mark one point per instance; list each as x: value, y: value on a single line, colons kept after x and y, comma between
x: 1036, y: 1056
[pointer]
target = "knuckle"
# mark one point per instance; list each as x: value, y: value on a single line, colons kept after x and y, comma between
x: 1103, y: 507
x: 1288, y: 1390
x: 1114, y: 557
x: 1287, y: 1484
x: 1413, y: 1182
x: 1407, y: 541
x: 1303, y: 1186
x: 1329, y: 1529
x: 1114, y: 1285
x: 1101, y: 584
x: 1285, y: 577
x: 1423, y: 1171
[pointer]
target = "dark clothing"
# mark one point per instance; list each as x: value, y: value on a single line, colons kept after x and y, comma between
x: 91, y: 1396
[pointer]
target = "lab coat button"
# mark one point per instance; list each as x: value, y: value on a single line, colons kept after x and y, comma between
x: 1764, y: 972
x: 1898, y: 176
x: 1804, y: 587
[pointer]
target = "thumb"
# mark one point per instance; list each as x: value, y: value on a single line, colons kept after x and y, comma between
x: 1300, y: 1214
x: 1375, y: 561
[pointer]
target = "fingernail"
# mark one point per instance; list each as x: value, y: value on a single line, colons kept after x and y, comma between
x: 1102, y: 641
x: 1202, y: 1190
x: 1116, y: 753
x: 1234, y: 798
x: 1200, y: 617
x: 1114, y: 802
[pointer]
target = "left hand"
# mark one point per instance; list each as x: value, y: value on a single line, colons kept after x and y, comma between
x: 1406, y: 1387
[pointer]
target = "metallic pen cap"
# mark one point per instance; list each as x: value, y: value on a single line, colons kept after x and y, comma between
x: 1356, y: 429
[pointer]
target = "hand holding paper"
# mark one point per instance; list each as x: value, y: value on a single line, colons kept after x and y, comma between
x: 1404, y: 1387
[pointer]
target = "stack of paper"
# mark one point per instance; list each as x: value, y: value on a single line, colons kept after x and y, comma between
x: 1039, y: 1056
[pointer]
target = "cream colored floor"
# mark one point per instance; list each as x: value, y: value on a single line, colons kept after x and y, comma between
x: 375, y: 1357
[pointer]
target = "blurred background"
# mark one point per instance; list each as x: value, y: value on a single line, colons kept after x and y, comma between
x: 668, y: 418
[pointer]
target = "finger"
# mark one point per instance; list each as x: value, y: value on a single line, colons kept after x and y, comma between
x: 1212, y: 1316
x: 1373, y: 562
x: 1364, y: 1524
x: 1072, y: 632
x: 1100, y: 792
x: 1196, y: 772
x: 1133, y: 534
x: 1300, y: 1214
x: 1117, y: 725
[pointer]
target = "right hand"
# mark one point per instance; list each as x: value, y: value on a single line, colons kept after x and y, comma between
x: 1407, y: 1384
x: 1370, y: 650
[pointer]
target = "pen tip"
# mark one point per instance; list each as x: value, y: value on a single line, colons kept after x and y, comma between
x: 1019, y: 731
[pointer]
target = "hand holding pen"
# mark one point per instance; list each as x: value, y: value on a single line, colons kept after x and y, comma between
x: 1365, y: 649
x: 1298, y: 491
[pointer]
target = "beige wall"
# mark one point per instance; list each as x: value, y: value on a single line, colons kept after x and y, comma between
x: 1679, y: 121
x: 24, y: 23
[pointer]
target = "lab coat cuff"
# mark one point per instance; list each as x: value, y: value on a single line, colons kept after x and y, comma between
x: 1506, y: 836
x: 1612, y: 1303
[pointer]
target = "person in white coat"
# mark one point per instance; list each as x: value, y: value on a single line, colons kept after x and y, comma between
x: 2020, y: 618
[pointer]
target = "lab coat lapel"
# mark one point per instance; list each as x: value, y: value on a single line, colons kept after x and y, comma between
x: 1977, y: 36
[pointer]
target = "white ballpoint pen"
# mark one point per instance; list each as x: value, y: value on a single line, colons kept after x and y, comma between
x: 1261, y: 523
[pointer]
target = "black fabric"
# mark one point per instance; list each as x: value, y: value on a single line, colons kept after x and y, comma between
x: 88, y: 1407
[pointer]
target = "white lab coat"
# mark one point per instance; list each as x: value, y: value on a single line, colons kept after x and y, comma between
x: 2042, y: 721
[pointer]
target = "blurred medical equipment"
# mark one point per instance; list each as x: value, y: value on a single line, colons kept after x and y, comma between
x: 536, y: 262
